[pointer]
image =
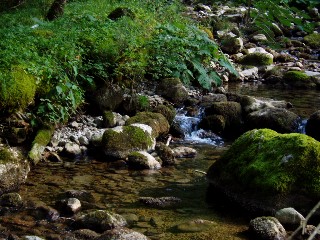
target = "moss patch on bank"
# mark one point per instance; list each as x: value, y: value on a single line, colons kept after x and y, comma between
x: 267, y: 162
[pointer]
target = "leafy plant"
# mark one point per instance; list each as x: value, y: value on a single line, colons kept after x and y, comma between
x: 186, y: 52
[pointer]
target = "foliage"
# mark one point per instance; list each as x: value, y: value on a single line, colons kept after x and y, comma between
x: 313, y: 40
x: 17, y: 89
x: 278, y: 11
x: 187, y: 53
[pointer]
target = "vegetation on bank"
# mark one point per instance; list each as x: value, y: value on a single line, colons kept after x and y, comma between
x: 49, y: 68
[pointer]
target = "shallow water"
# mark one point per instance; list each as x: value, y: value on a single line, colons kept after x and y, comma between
x: 119, y: 191
x: 305, y: 102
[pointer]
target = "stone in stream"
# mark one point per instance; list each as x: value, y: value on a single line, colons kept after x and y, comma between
x: 85, y: 234
x: 198, y: 225
x: 11, y: 200
x: 142, y: 160
x: 289, y: 218
x: 184, y: 152
x: 267, y: 228
x: 69, y: 206
x: 100, y: 221
x: 160, y: 202
x: 166, y: 154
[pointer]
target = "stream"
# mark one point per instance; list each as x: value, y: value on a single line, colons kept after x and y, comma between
x: 119, y: 190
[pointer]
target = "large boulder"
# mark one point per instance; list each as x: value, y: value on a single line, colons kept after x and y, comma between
x: 289, y: 218
x: 108, y: 98
x: 278, y: 119
x: 257, y: 59
x: 267, y: 228
x: 313, y: 125
x: 156, y: 121
x: 265, y: 171
x: 118, y: 142
x: 230, y: 116
x: 232, y: 45
x: 173, y: 90
x: 298, y: 79
x: 13, y: 169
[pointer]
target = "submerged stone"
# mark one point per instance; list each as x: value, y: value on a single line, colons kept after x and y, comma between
x: 198, y: 225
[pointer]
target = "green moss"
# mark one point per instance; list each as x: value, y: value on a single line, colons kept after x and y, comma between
x: 6, y: 156
x: 43, y: 136
x: 167, y: 111
x: 17, y: 89
x: 268, y: 162
x: 313, y: 40
x: 298, y: 79
x: 108, y: 119
x: 156, y: 121
x: 130, y: 138
x: 257, y: 59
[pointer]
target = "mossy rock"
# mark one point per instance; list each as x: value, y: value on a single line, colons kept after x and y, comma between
x: 166, y: 154
x: 277, y: 119
x: 17, y: 90
x: 39, y: 143
x: 108, y: 98
x: 168, y: 111
x: 142, y: 160
x: 109, y: 119
x: 270, y: 169
x: 156, y: 121
x: 173, y: 90
x: 257, y: 59
x: 118, y: 142
x: 101, y: 220
x: 215, y: 123
x: 313, y: 40
x: 298, y: 79
x: 13, y: 169
x: 232, y: 45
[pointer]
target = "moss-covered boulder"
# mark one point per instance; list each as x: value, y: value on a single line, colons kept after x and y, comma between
x: 268, y: 171
x: 215, y: 123
x: 166, y: 154
x: 17, y: 89
x: 109, y: 119
x: 108, y: 98
x: 313, y: 40
x: 298, y: 79
x: 100, y: 221
x: 257, y: 59
x: 156, y: 121
x: 39, y: 143
x: 13, y: 169
x: 231, y: 123
x: 313, y: 125
x: 173, y: 90
x: 167, y: 111
x: 278, y: 119
x: 118, y: 142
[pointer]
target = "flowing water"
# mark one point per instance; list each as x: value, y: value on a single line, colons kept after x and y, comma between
x: 119, y: 190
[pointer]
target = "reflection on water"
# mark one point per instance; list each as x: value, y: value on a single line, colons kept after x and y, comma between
x: 305, y: 101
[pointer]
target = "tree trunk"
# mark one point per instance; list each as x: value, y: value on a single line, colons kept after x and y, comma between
x: 56, y: 10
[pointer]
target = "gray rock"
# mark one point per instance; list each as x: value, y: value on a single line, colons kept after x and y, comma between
x: 32, y: 238
x: 289, y: 217
x: 83, y: 140
x: 70, y: 205
x: 11, y: 200
x: 184, y: 152
x: 101, y: 220
x: 259, y: 38
x: 72, y: 149
x: 166, y: 154
x: 86, y: 234
x: 267, y: 228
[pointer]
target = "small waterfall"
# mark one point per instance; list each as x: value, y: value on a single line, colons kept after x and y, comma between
x: 192, y: 134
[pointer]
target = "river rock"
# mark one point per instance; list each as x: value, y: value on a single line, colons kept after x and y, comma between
x: 11, y: 200
x: 86, y: 234
x: 69, y: 206
x: 299, y: 79
x: 142, y: 160
x: 160, y: 202
x: 109, y: 97
x: 249, y: 74
x: 43, y: 211
x: 13, y: 169
x: 264, y: 169
x: 158, y: 123
x: 118, y: 142
x: 232, y: 45
x: 184, y: 152
x: 100, y: 220
x: 172, y: 89
x: 278, y: 119
x: 232, y: 114
x: 166, y: 154
x: 313, y: 125
x: 267, y: 228
x: 122, y: 234
x: 198, y: 225
x: 289, y: 218
x: 72, y: 149
x: 259, y: 38
x: 168, y: 111
x: 82, y: 195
